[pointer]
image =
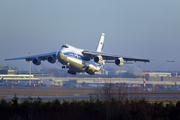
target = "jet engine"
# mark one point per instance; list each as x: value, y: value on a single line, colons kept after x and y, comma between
x: 119, y: 61
x: 98, y: 59
x: 36, y: 61
x: 51, y: 59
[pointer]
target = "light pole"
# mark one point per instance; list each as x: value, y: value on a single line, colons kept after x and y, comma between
x: 30, y: 70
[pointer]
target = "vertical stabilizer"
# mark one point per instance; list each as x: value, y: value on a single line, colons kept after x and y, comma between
x: 101, y: 43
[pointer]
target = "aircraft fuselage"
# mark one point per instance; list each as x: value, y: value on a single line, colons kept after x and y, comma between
x: 74, y: 60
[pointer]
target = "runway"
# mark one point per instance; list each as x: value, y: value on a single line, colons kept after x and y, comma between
x: 80, y: 98
x: 69, y: 94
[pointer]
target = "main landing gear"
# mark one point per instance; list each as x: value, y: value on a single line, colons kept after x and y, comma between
x: 71, y: 72
x: 89, y: 71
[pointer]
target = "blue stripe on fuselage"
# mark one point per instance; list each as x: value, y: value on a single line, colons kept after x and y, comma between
x: 74, y: 55
x: 80, y: 57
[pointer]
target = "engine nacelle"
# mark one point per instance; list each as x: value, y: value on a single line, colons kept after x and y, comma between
x: 119, y: 61
x: 36, y: 61
x: 98, y: 59
x: 51, y: 59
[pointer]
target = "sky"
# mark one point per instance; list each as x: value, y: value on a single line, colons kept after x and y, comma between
x: 136, y: 28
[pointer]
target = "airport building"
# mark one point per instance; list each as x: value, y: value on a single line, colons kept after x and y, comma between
x: 15, y: 77
x: 7, y: 70
x: 60, y: 78
x: 158, y: 74
x: 9, y: 74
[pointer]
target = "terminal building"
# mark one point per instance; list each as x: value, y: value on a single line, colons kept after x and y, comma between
x: 158, y: 74
x: 9, y: 74
x: 60, y: 77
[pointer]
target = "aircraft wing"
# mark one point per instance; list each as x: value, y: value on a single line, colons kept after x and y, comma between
x: 29, y: 58
x: 107, y: 56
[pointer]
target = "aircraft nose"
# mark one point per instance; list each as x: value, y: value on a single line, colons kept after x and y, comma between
x: 60, y: 55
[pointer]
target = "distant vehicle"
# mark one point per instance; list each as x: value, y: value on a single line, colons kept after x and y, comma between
x: 28, y: 84
x: 96, y: 85
x: 22, y: 84
x: 4, y: 84
x: 69, y: 85
x: 159, y: 86
x: 79, y: 60
x: 135, y: 86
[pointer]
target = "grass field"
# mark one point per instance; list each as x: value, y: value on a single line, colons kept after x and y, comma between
x: 44, y: 91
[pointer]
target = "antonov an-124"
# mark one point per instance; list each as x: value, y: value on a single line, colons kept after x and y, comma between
x: 79, y: 60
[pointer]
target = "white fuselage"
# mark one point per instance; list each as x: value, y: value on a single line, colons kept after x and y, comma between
x: 75, y: 60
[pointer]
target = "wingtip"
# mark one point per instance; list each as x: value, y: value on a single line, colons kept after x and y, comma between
x: 7, y: 59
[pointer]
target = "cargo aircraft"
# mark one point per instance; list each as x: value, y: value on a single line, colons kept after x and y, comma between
x: 80, y: 60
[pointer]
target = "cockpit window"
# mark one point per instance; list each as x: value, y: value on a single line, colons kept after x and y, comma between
x: 65, y: 46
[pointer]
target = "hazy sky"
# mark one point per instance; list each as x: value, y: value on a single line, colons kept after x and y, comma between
x: 136, y: 28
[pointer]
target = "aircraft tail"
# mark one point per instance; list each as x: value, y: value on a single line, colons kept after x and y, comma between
x: 101, y: 43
